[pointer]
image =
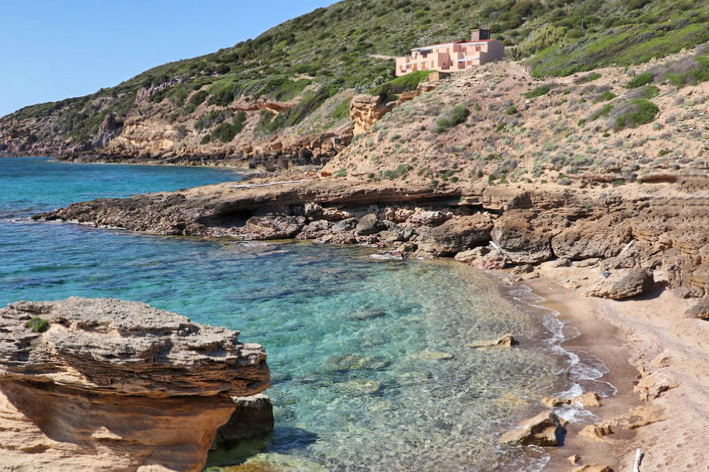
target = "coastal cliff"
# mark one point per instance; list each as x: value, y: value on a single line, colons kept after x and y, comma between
x: 648, y: 227
x: 101, y: 384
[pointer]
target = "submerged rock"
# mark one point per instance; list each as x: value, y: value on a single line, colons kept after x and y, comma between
x: 505, y: 341
x: 542, y: 430
x: 157, y: 386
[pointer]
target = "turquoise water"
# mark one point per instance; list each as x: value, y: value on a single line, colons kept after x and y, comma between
x: 369, y: 361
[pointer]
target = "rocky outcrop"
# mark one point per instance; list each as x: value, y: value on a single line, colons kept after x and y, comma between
x: 542, y: 430
x: 156, y: 385
x: 366, y: 110
x: 456, y: 235
x: 624, y: 234
x: 525, y: 236
x: 622, y: 284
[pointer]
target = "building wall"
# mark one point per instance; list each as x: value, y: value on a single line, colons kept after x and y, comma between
x: 446, y: 58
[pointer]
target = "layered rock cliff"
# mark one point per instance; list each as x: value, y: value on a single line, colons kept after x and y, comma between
x: 105, y: 385
x: 645, y: 227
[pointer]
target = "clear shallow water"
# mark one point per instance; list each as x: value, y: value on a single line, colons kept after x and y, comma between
x: 369, y: 361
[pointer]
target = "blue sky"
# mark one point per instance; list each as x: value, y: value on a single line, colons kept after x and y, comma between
x: 55, y: 49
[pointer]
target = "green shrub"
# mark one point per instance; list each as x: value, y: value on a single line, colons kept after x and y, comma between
x: 199, y: 97
x: 38, y: 325
x: 603, y: 111
x: 511, y: 110
x: 640, y: 80
x: 226, y: 132
x: 341, y: 173
x: 398, y: 172
x: 342, y: 110
x: 605, y: 96
x: 635, y: 113
x: 649, y: 91
x: 537, y: 92
x: 590, y: 77
x: 699, y: 73
x: 456, y: 116
x: 401, y: 84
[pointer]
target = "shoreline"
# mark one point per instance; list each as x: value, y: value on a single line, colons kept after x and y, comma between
x: 642, y: 340
x: 603, y: 341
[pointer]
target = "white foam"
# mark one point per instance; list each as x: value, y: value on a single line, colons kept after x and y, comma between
x: 583, y: 369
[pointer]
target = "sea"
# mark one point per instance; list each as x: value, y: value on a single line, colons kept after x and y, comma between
x: 369, y: 357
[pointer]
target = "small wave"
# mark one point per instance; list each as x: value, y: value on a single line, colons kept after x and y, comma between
x: 583, y: 369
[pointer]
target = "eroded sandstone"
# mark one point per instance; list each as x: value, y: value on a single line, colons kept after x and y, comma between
x: 112, y: 385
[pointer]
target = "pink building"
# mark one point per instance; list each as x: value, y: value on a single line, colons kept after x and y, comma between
x: 454, y: 56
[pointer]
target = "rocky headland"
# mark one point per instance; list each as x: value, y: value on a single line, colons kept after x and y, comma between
x: 102, y: 384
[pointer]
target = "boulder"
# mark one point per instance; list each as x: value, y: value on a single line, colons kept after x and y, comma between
x: 429, y: 217
x: 472, y: 254
x: 525, y: 236
x: 157, y: 386
x: 698, y: 309
x: 588, y: 399
x: 345, y: 225
x: 456, y: 235
x: 273, y: 227
x: 602, y: 238
x: 623, y: 283
x: 597, y: 432
x: 542, y: 430
x: 315, y: 230
x: 369, y: 224
x: 652, y: 385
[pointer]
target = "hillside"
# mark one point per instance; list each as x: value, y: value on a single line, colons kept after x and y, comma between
x: 275, y: 96
x: 497, y: 125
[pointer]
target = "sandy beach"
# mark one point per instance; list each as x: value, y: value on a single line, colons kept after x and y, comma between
x: 658, y: 361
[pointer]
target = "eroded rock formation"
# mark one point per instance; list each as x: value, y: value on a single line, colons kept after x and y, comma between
x: 101, y: 384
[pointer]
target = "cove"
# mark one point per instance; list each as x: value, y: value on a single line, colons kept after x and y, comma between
x: 369, y: 362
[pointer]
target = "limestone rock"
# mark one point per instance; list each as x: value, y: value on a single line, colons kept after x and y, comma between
x: 589, y: 399
x: 157, y: 386
x: 429, y: 217
x: 602, y: 238
x: 553, y: 402
x: 348, y: 224
x: 542, y: 430
x: 456, y: 235
x: 472, y: 254
x: 623, y: 284
x: 653, y: 385
x: 597, y: 432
